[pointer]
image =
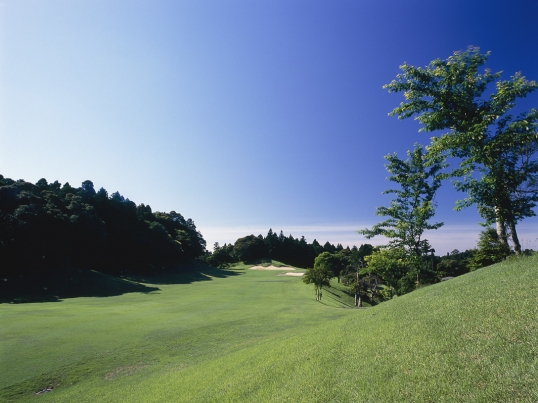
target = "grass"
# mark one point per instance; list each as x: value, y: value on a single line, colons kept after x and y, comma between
x: 245, y: 335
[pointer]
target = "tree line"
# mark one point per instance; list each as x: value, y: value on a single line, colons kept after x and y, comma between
x: 376, y: 274
x: 48, y: 226
x: 286, y: 249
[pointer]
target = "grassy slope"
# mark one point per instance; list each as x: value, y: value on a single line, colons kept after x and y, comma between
x: 257, y: 336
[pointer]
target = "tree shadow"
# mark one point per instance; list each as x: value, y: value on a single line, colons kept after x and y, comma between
x: 60, y: 285
x: 184, y: 274
x: 335, y: 297
x: 74, y: 283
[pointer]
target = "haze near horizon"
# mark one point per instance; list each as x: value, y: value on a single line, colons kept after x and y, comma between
x: 241, y: 115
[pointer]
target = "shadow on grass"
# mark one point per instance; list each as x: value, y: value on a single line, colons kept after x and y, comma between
x: 185, y: 274
x: 337, y: 298
x: 73, y: 283
x: 66, y: 284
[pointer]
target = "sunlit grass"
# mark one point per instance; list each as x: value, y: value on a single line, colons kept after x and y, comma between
x: 261, y: 336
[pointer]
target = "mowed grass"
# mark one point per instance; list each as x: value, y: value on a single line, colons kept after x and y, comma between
x: 260, y: 336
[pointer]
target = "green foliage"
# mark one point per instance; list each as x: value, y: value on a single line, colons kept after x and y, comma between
x: 46, y: 227
x: 287, y: 249
x: 249, y: 248
x: 335, y: 262
x: 391, y: 264
x: 490, y: 250
x: 222, y: 256
x: 451, y: 94
x: 419, y: 178
x: 320, y: 275
x: 454, y: 263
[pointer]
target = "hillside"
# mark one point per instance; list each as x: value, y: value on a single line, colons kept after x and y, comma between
x: 246, y: 335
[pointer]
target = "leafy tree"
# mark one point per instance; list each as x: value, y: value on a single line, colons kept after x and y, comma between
x: 271, y: 243
x: 249, y: 248
x: 335, y: 262
x: 451, y: 94
x: 354, y: 261
x: 419, y: 178
x: 320, y: 276
x: 222, y: 256
x: 490, y: 250
x: 392, y: 265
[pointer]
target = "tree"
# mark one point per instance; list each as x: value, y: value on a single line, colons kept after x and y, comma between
x: 490, y: 250
x: 320, y: 275
x: 449, y: 94
x: 419, y: 178
x: 393, y: 265
x: 335, y: 262
x: 249, y: 248
x: 222, y: 256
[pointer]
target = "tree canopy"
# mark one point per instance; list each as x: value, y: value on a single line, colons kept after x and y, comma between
x: 47, y: 226
x: 419, y: 177
x: 454, y: 95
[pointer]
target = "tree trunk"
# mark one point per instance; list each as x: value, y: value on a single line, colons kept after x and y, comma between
x: 357, y: 290
x: 515, y: 239
x: 501, y: 227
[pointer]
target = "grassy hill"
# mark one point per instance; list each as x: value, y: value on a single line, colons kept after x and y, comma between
x: 245, y: 335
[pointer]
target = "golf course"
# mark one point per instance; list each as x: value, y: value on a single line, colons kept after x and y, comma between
x: 241, y: 335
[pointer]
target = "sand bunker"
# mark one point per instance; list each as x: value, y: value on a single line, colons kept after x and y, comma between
x: 271, y: 268
x: 294, y: 274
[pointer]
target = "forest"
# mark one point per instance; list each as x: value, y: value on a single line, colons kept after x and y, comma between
x: 45, y: 227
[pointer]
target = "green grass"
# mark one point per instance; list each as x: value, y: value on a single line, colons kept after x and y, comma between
x: 245, y: 335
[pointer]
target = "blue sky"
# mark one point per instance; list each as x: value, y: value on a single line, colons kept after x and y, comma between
x: 242, y: 115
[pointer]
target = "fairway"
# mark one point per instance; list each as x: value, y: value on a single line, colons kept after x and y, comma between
x: 101, y: 345
x: 254, y: 335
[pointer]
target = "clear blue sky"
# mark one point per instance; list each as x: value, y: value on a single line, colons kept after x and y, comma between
x: 242, y: 115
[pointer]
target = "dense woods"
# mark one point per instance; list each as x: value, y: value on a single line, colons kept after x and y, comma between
x: 48, y: 226
x: 286, y: 249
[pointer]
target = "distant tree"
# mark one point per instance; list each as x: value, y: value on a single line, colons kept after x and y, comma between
x: 335, y: 262
x: 320, y: 277
x: 222, y: 256
x: 317, y: 248
x: 394, y: 266
x: 87, y: 191
x: 454, y: 263
x: 328, y: 247
x: 271, y: 243
x: 490, y: 250
x: 249, y: 248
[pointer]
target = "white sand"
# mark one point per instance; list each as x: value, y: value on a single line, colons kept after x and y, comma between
x: 271, y: 268
x: 294, y: 274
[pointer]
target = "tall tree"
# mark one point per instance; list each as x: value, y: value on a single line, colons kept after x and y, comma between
x: 419, y: 178
x: 320, y: 275
x: 452, y: 94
